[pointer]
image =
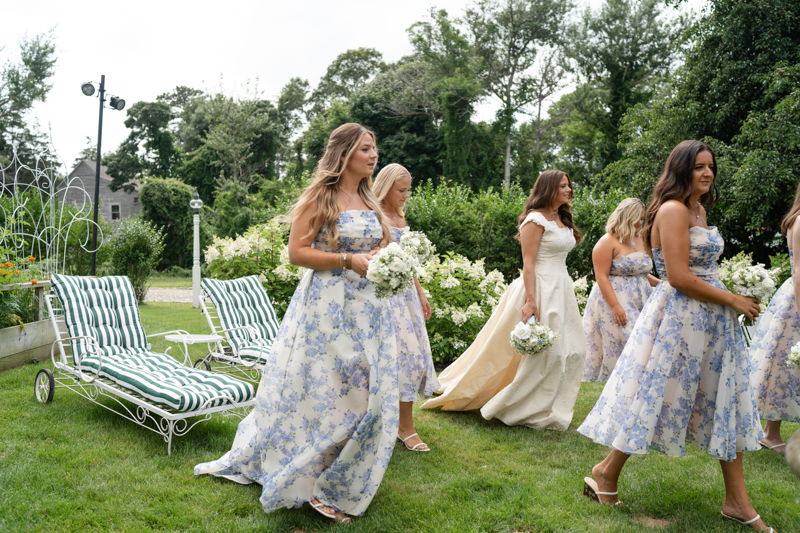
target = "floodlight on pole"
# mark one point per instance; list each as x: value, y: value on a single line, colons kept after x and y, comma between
x: 117, y: 103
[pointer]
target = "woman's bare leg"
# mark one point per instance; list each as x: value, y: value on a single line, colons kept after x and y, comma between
x: 737, y: 502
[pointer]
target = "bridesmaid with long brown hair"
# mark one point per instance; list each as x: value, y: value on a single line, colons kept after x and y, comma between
x: 535, y: 391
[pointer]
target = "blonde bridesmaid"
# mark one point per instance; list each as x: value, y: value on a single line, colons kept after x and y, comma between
x: 622, y: 269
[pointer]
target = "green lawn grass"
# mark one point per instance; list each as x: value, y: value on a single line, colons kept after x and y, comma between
x: 169, y: 282
x: 73, y: 466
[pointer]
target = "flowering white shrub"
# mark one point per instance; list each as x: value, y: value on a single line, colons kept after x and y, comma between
x: 261, y: 250
x: 581, y: 286
x: 794, y: 356
x: 531, y: 338
x: 462, y: 297
x: 392, y: 271
x: 417, y: 244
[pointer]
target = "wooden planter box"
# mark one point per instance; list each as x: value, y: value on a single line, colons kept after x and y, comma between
x: 18, y: 345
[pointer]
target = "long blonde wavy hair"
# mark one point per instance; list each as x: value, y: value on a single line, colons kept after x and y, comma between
x: 621, y: 222
x: 322, y: 194
x: 387, y: 177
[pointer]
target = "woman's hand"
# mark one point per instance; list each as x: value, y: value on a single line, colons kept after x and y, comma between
x: 360, y: 263
x: 528, y: 310
x: 426, y: 307
x: 619, y: 316
x: 747, y: 305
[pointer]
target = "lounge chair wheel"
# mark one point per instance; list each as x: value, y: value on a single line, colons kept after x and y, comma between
x: 203, y: 361
x: 45, y: 386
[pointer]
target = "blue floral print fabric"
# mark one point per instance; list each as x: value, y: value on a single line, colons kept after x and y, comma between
x: 326, y: 412
x: 415, y: 373
x: 605, y: 339
x: 684, y: 374
x: 778, y: 389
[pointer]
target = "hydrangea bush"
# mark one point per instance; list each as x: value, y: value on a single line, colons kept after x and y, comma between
x: 261, y: 251
x: 462, y: 297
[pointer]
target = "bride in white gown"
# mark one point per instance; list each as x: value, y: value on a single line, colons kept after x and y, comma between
x: 537, y: 391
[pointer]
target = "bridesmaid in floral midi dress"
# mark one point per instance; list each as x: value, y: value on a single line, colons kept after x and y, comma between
x: 415, y: 373
x: 684, y: 375
x: 622, y: 269
x: 325, y: 421
x: 778, y: 391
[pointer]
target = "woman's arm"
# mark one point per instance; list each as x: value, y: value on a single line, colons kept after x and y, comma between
x: 302, y: 254
x: 653, y: 280
x: 796, y: 261
x: 673, y: 227
x: 423, y: 300
x: 602, y: 256
x: 530, y: 237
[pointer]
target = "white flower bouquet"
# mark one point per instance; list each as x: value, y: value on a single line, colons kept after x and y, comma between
x: 581, y: 287
x: 392, y: 271
x: 417, y: 244
x: 531, y: 338
x: 794, y: 356
x: 742, y: 277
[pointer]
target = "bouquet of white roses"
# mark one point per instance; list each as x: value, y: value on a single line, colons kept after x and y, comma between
x: 743, y: 277
x: 417, y: 244
x: 531, y: 338
x: 392, y: 271
x: 794, y: 356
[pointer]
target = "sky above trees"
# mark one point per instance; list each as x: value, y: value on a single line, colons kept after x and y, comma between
x: 150, y: 47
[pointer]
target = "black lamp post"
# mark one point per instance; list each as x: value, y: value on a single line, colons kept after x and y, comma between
x: 118, y: 104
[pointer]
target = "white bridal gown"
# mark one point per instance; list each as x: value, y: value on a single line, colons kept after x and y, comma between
x: 538, y: 391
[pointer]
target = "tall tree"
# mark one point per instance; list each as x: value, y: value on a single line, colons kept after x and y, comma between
x: 625, y: 46
x: 149, y: 149
x: 453, y: 67
x: 508, y: 35
x: 22, y: 84
x: 346, y: 74
x: 291, y: 103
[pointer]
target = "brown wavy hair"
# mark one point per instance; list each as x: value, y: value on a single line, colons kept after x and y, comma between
x: 543, y: 196
x: 788, y: 220
x: 322, y: 194
x: 675, y: 183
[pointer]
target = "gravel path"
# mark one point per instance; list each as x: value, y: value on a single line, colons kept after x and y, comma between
x: 158, y: 294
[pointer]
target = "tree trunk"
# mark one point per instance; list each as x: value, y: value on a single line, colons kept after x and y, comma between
x: 507, y: 173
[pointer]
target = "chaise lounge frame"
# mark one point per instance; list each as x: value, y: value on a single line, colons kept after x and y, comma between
x: 160, y: 419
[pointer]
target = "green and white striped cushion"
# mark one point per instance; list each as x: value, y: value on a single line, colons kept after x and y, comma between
x: 257, y: 352
x: 102, y: 308
x: 243, y: 302
x: 164, y: 381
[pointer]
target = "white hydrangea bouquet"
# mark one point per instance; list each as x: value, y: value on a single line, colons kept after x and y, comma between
x: 417, y: 244
x: 742, y: 277
x: 392, y: 271
x: 794, y: 356
x: 531, y: 338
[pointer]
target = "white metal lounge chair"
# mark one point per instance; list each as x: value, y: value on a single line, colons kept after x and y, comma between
x: 103, y: 352
x: 240, y: 311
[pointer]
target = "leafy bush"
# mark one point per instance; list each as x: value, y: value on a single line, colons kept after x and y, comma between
x: 474, y: 225
x: 261, y: 251
x: 165, y: 203
x: 136, y: 247
x: 462, y: 297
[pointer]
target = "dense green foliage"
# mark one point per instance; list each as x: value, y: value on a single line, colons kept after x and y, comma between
x: 165, y: 203
x: 136, y: 247
x: 738, y: 91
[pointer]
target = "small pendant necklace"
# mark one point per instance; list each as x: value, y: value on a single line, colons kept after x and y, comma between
x: 695, y: 212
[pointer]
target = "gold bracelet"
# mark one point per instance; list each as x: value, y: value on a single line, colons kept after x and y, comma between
x: 342, y: 259
x: 348, y: 262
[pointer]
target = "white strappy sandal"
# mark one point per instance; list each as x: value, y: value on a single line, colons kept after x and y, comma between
x: 318, y: 508
x: 415, y: 448
x: 745, y: 522
x: 590, y: 489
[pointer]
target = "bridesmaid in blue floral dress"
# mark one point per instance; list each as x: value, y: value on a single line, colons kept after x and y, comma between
x: 684, y: 375
x: 415, y: 372
x: 326, y: 414
x: 778, y: 390
x: 622, y: 269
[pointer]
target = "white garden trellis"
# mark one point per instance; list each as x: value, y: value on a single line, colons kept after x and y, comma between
x: 43, y: 234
